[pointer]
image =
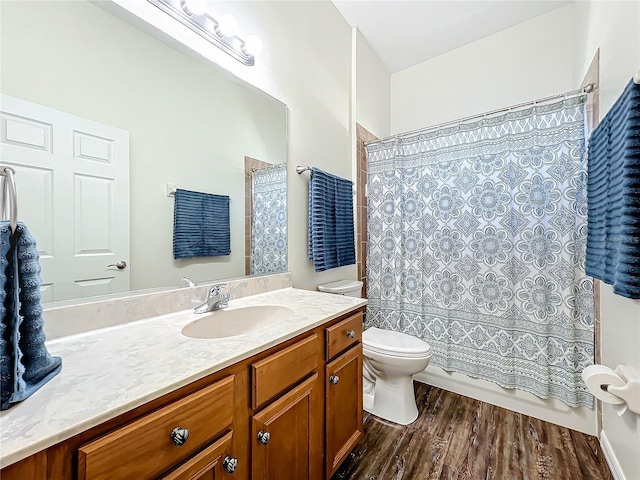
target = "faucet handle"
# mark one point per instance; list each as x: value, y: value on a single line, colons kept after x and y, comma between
x: 215, y: 289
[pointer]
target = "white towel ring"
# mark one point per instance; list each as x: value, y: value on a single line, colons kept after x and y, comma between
x: 12, y: 195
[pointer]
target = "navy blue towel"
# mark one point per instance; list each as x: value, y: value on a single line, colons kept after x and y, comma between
x: 201, y: 225
x: 25, y: 363
x: 331, y: 230
x: 613, y: 195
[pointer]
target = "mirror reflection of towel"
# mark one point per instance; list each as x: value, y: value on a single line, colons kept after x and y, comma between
x: 201, y: 226
x: 25, y: 362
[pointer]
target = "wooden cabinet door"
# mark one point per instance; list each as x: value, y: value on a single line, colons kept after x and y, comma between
x: 283, y: 444
x: 212, y: 463
x: 343, y: 390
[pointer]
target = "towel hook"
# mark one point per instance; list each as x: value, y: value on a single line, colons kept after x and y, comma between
x: 11, y: 194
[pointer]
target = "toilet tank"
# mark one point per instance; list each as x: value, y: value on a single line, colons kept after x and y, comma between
x: 350, y: 288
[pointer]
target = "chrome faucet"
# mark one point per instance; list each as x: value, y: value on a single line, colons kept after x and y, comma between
x: 215, y: 301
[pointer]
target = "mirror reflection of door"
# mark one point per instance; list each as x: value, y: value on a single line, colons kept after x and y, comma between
x: 72, y: 179
x: 266, y: 217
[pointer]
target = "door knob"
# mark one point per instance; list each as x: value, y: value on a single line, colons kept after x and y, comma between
x: 334, y: 379
x: 264, y: 437
x: 179, y: 436
x: 230, y: 464
x: 121, y: 265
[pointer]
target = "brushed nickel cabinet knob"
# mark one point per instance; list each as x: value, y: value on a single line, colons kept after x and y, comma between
x: 179, y: 436
x: 264, y: 437
x: 230, y: 464
x: 351, y: 333
x: 334, y: 379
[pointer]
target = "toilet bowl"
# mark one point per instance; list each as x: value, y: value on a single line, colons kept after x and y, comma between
x: 390, y: 360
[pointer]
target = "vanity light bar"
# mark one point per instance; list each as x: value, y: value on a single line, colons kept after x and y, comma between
x: 207, y: 27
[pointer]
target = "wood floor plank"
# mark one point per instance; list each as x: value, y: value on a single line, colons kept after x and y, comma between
x: 382, y: 438
x: 590, y: 457
x: 478, y: 459
x: 419, y: 456
x: 505, y: 459
x: 456, y: 437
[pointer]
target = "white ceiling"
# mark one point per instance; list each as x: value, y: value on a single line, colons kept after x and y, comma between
x: 405, y: 33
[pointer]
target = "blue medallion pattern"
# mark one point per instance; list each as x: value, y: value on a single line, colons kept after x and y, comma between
x: 447, y: 203
x: 490, y: 246
x: 269, y: 220
x: 446, y: 245
x: 476, y: 243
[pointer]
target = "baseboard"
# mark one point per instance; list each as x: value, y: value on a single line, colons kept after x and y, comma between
x: 610, y: 457
x: 581, y: 419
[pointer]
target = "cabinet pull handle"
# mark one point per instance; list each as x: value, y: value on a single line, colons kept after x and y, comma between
x: 351, y: 333
x: 264, y: 437
x: 179, y: 436
x: 334, y: 379
x: 230, y: 464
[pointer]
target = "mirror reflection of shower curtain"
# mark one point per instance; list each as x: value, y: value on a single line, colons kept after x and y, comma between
x: 476, y: 243
x: 269, y: 220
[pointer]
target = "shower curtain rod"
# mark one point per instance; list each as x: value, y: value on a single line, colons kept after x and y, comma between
x: 572, y: 93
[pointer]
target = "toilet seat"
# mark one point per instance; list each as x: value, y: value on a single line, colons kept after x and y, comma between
x: 394, y: 344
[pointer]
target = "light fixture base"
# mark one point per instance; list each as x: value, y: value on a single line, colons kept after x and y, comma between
x: 206, y: 26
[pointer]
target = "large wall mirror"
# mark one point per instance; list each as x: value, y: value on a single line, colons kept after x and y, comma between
x: 85, y: 92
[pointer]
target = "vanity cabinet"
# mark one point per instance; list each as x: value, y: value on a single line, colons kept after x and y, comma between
x: 285, y: 434
x: 293, y: 411
x: 283, y: 438
x: 343, y: 393
x: 343, y: 390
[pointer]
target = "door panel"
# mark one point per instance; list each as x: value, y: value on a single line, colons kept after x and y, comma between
x: 287, y: 454
x: 72, y: 178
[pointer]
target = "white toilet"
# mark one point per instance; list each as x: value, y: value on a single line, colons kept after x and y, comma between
x: 390, y: 361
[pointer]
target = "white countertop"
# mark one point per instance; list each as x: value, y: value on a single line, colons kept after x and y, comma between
x: 110, y: 371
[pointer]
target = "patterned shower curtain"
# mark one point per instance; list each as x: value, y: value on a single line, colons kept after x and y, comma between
x: 476, y: 243
x: 269, y: 220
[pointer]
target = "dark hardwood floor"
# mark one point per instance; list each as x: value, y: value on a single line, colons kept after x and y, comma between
x: 456, y: 437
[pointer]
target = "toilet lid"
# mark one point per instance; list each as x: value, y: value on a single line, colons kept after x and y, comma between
x: 393, y: 343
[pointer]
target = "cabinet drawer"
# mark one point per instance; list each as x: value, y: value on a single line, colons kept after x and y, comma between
x: 279, y: 371
x: 343, y: 335
x: 144, y: 448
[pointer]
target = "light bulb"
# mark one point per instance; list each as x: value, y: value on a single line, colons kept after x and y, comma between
x: 227, y: 25
x: 195, y: 7
x: 252, y: 45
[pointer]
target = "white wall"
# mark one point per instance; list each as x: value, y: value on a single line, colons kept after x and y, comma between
x: 190, y: 123
x: 306, y: 63
x: 525, y: 62
x: 373, y: 90
x: 528, y: 61
x: 614, y: 27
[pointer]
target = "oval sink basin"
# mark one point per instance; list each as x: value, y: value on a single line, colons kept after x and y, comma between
x: 236, y: 321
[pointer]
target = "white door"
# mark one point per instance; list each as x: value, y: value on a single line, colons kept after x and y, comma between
x: 72, y: 178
